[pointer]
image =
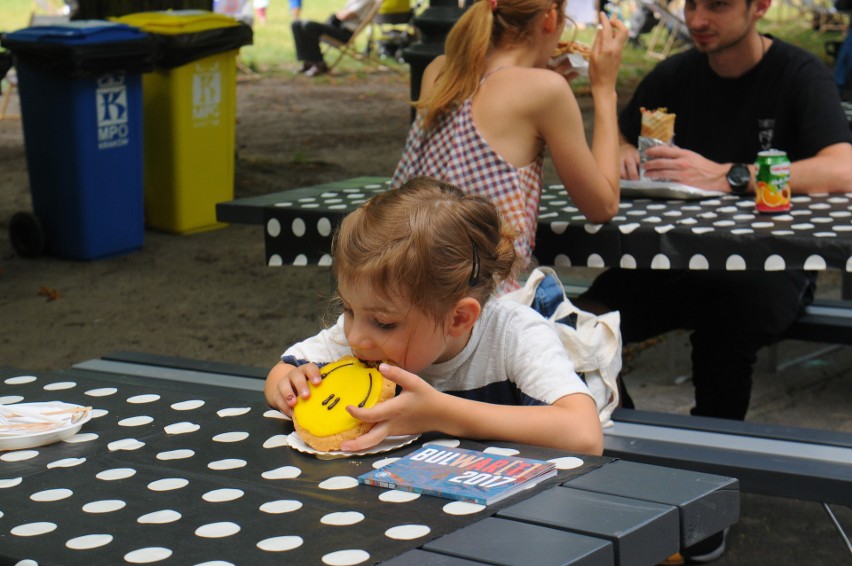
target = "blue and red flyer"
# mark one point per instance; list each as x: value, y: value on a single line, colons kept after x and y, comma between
x: 461, y: 474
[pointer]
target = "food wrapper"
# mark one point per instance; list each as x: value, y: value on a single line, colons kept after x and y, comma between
x: 657, y: 129
x: 574, y: 53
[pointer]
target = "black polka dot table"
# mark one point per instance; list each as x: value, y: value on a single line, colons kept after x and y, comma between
x: 717, y: 233
x: 165, y: 475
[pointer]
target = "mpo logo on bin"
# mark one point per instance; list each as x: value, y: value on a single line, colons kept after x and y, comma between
x: 111, y: 98
x: 206, y: 95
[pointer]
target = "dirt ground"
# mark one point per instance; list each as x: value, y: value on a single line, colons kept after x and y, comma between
x: 206, y: 295
x: 209, y: 296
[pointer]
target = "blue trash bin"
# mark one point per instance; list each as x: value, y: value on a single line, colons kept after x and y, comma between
x: 80, y: 88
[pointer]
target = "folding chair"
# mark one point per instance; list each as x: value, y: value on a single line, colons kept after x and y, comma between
x: 392, y: 29
x: 825, y: 16
x: 349, y: 48
x: 670, y: 29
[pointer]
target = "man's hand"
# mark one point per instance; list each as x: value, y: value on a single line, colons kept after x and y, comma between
x: 629, y: 156
x: 685, y: 167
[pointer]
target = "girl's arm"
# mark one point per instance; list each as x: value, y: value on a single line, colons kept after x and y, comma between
x: 571, y: 423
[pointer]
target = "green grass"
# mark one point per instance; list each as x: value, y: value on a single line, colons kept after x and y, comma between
x: 273, y: 43
x: 782, y: 23
x: 14, y: 14
x: 273, y: 50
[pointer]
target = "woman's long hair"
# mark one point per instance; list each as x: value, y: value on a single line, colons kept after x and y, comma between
x: 483, y: 26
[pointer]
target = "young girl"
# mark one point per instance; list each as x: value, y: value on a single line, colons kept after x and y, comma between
x: 488, y: 109
x: 416, y: 269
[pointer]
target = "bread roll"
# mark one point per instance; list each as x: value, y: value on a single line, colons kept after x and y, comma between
x: 658, y: 124
x: 571, y: 47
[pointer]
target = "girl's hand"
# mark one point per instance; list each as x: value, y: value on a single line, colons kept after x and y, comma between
x: 606, y: 52
x: 410, y: 412
x: 286, y: 384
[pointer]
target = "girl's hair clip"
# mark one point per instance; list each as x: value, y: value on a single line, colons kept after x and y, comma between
x: 492, y: 4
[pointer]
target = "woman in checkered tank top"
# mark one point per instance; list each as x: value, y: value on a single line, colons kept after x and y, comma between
x: 491, y: 105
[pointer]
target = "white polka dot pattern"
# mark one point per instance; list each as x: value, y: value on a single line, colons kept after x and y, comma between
x: 407, y: 532
x: 52, y: 495
x: 188, y: 405
x: 159, y: 517
x: 726, y: 232
x: 88, y: 542
x: 462, y: 508
x: 104, y: 506
x: 225, y: 477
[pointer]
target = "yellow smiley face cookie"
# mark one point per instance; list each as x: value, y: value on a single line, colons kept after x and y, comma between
x: 322, y: 420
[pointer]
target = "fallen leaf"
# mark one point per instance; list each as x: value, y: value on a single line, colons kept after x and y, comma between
x: 51, y: 294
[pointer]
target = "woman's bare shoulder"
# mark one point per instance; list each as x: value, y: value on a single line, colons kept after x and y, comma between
x: 536, y: 86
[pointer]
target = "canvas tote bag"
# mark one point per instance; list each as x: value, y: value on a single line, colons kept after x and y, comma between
x: 593, y: 342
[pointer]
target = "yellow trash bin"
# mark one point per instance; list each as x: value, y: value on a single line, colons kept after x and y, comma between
x: 189, y: 116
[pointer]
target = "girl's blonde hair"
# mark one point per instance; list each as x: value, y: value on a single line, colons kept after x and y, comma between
x: 427, y: 242
x: 483, y: 26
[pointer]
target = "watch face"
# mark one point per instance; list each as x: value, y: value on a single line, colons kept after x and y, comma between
x: 738, y: 177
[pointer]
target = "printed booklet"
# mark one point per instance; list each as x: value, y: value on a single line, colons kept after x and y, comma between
x: 457, y: 473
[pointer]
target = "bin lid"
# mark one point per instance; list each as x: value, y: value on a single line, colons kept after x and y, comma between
x: 188, y: 35
x: 80, y: 32
x: 176, y: 22
x: 83, y: 48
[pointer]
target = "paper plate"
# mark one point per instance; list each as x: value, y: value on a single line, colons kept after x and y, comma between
x: 69, y: 426
x: 386, y: 445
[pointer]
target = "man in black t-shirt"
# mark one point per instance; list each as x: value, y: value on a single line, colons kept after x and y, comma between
x: 735, y: 93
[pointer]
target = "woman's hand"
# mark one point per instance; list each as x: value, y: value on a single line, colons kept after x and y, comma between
x: 285, y: 384
x: 410, y: 412
x: 605, y: 58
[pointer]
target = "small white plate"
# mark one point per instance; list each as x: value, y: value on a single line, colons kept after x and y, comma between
x: 386, y: 445
x: 69, y: 426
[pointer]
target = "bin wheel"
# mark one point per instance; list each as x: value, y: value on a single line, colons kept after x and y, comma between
x: 27, y: 234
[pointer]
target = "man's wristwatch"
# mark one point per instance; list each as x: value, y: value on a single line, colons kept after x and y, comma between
x: 738, y: 178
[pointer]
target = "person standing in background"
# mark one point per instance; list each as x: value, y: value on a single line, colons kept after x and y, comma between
x: 260, y: 7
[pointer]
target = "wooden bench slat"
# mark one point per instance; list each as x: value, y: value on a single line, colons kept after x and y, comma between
x: 744, y: 443
x: 187, y: 364
x: 759, y: 455
x: 733, y: 427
